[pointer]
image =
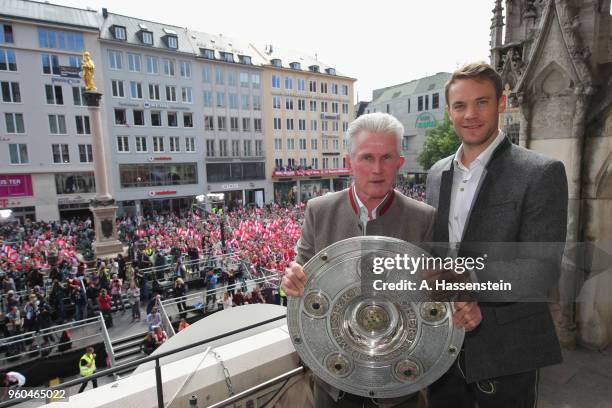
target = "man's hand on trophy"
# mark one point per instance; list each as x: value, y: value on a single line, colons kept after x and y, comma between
x: 467, y: 315
x: 294, y: 280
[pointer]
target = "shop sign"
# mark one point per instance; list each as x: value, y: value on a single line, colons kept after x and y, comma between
x: 160, y: 158
x: 230, y: 186
x: 6, y: 203
x: 161, y: 193
x: 317, y: 172
x: 155, y: 105
x: 425, y: 120
x: 69, y: 81
x: 15, y: 185
x: 69, y: 72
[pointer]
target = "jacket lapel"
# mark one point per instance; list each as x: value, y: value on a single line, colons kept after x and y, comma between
x: 441, y: 223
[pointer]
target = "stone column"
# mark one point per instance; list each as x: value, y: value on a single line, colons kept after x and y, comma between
x: 103, y: 205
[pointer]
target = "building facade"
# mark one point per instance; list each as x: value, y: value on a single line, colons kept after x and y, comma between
x: 306, y: 117
x: 419, y: 105
x: 46, y: 169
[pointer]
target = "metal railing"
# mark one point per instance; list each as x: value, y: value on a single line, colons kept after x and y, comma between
x: 156, y: 358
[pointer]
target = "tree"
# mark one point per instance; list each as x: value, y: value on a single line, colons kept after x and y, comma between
x: 440, y: 142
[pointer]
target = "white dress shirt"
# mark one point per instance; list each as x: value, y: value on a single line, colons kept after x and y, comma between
x: 465, y: 185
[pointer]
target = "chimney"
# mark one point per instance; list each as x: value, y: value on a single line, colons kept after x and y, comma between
x: 104, y: 12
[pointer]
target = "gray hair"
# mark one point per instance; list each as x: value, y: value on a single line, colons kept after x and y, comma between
x: 377, y: 122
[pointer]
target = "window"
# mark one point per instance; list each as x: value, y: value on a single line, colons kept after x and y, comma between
x: 147, y: 37
x: 301, y: 84
x: 289, y: 103
x: 115, y: 60
x: 301, y: 124
x: 171, y: 93
x: 435, y: 101
x: 290, y: 144
x: 172, y: 42
x: 420, y: 103
x: 334, y: 89
x: 206, y: 74
x: 323, y: 87
x: 408, y: 105
x: 190, y: 144
x: 256, y: 80
x: 117, y: 88
x: 208, y: 97
x: 62, y: 40
x: 50, y: 64
x: 54, y: 95
x: 135, y: 90
x: 335, y: 144
x: 141, y: 144
x: 185, y: 69
x: 187, y: 119
x: 234, y: 124
x: 246, y: 124
x: 344, y: 126
x: 325, y: 145
x: 313, y: 106
x: 278, y: 144
x: 120, y: 117
x: 313, y: 144
x: 85, y: 153
x: 276, y: 62
x: 276, y: 102
x: 152, y: 65
x: 172, y: 120
x: 227, y: 56
x: 60, y: 153
x: 77, y: 95
x: 303, y: 162
x: 221, y: 123
x: 133, y: 62
x: 275, y: 81
x: 232, y: 78
x: 139, y: 119
x: 256, y: 102
x: 210, y: 148
x: 223, y: 148
x: 156, y: 118
x: 209, y: 123
x: 6, y: 33
x: 186, y: 94
x: 158, y: 144
x: 157, y: 174
x: 302, y: 144
x: 235, y: 148
x: 335, y: 162
x: 14, y: 123
x: 335, y: 126
x: 301, y: 104
x: 323, y: 106
x: 206, y: 53
x: 277, y: 123
x: 168, y: 65
x: 334, y: 107
x: 324, y: 126
x: 220, y: 99
x: 57, y: 124
x: 313, y: 125
x: 244, y: 79
x: 246, y: 147
x: 314, y: 163
x: 18, y: 153
x: 174, y: 144
x: 289, y: 124
x: 119, y: 32
x: 82, y: 125
x: 426, y: 102
x: 278, y: 163
x: 154, y: 92
x: 345, y: 108
x: 245, y: 59
x: 312, y: 85
x: 233, y: 101
x: 288, y: 83
x: 219, y: 76
x: 11, y: 92
x: 257, y: 124
x: 344, y: 90
x: 244, y: 102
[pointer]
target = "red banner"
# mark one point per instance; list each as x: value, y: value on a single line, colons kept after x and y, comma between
x: 15, y: 185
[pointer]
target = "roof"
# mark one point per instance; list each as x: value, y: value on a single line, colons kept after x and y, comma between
x: 51, y: 13
x: 134, y: 25
x: 220, y: 43
x: 417, y: 86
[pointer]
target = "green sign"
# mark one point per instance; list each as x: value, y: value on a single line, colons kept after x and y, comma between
x: 425, y: 120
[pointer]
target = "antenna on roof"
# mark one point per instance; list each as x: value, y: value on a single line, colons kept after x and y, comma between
x: 316, y: 56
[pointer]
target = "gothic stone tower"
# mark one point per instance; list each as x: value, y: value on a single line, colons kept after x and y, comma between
x: 556, y: 57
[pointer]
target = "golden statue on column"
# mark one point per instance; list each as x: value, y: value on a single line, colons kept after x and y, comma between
x: 88, y: 66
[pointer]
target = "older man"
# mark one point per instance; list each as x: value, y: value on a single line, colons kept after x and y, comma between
x: 369, y: 207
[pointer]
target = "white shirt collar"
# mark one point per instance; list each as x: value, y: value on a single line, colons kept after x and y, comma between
x: 484, y: 157
x: 363, y: 211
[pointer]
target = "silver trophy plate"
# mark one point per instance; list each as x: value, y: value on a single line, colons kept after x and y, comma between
x: 373, y: 343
